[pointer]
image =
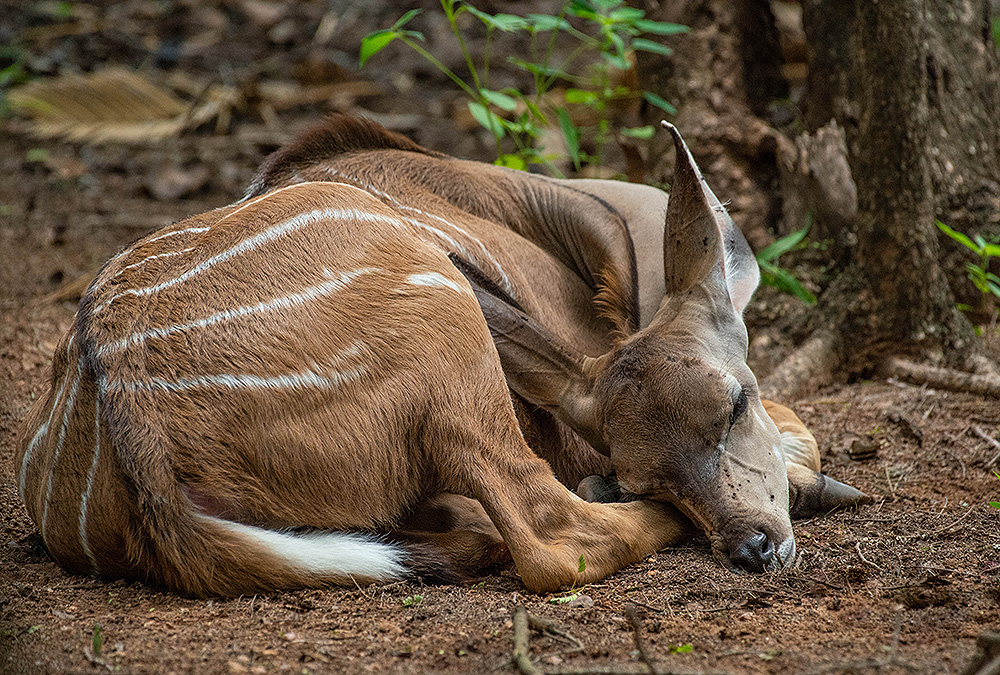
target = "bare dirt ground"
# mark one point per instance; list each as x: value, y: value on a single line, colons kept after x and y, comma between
x: 902, y: 585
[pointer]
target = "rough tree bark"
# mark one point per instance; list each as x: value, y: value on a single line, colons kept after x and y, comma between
x: 897, y: 246
x: 916, y: 86
x: 960, y: 88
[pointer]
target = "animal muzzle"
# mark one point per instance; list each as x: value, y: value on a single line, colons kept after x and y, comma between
x: 760, y: 553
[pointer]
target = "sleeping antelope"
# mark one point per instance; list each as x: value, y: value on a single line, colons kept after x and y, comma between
x: 248, y: 398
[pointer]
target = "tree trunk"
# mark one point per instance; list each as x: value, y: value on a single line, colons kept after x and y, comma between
x: 960, y: 92
x: 915, y: 85
x: 897, y: 247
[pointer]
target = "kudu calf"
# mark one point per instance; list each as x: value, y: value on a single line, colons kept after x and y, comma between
x: 247, y: 398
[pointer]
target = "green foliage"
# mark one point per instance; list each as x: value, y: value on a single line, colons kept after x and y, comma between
x: 995, y: 24
x: 411, y: 600
x: 98, y: 641
x: 606, y: 32
x: 12, y: 73
x: 996, y: 505
x: 681, y: 649
x: 987, y: 282
x: 773, y: 275
x: 581, y: 565
x: 36, y: 156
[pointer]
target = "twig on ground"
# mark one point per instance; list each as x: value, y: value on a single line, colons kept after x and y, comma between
x: 888, y: 480
x: 835, y: 587
x: 549, y: 626
x: 955, y: 457
x: 97, y: 660
x: 954, y: 523
x: 989, y: 439
x: 617, y: 670
x: 632, y: 616
x: 873, y: 663
x: 857, y: 547
x: 651, y: 608
x: 941, y: 378
x: 522, y: 659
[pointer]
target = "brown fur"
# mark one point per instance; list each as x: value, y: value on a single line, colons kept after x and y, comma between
x: 429, y: 412
x: 310, y: 360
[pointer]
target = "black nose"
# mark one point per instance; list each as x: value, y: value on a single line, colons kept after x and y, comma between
x: 756, y: 554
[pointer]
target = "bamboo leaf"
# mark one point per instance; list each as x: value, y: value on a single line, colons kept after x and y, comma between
x: 659, y: 102
x: 405, y: 19
x: 650, y: 46
x: 373, y: 43
x: 488, y: 120
x: 500, y: 100
x: 660, y: 27
x: 957, y: 236
x: 772, y: 275
x: 639, y: 132
x: 572, y: 135
x: 784, y: 245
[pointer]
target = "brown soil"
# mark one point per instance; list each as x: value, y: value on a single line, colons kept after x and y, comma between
x: 902, y: 585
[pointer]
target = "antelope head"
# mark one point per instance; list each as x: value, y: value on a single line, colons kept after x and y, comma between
x: 675, y: 405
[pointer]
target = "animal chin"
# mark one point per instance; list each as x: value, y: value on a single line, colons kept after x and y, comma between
x: 786, y: 552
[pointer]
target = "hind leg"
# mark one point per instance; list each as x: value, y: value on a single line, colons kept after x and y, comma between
x: 458, y: 529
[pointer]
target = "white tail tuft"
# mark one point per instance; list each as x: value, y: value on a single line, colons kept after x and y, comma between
x: 327, y: 555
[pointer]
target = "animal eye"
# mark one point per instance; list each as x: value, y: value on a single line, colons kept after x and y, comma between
x: 739, y: 407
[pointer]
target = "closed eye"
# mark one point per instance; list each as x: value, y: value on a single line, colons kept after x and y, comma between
x: 739, y: 406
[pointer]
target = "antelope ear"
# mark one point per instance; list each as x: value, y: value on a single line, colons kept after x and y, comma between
x: 701, y: 242
x: 537, y: 365
x: 812, y: 494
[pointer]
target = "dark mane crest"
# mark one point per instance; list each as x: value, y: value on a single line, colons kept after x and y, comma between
x: 336, y: 135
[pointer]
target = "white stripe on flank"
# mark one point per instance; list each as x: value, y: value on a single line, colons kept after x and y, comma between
x: 332, y: 285
x: 42, y: 430
x: 375, y: 191
x: 198, y: 229
x: 329, y: 376
x: 151, y: 257
x: 70, y: 400
x: 272, y: 233
x: 304, y: 380
x: 85, y: 497
x: 172, y: 233
x: 436, y: 279
x: 257, y: 199
x: 326, y: 554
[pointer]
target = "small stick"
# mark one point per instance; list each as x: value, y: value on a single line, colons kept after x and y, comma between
x: 521, y: 657
x: 954, y: 524
x: 974, y: 428
x: 549, y: 626
x: 857, y: 547
x: 892, y: 490
x: 616, y: 670
x: 632, y: 616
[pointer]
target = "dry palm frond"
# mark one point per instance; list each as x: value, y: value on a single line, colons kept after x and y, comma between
x: 109, y: 105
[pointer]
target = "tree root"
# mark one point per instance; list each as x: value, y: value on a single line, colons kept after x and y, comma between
x: 941, y: 378
x: 812, y: 363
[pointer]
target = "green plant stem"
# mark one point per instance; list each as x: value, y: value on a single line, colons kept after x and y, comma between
x: 486, y: 56
x: 440, y: 66
x: 452, y: 20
